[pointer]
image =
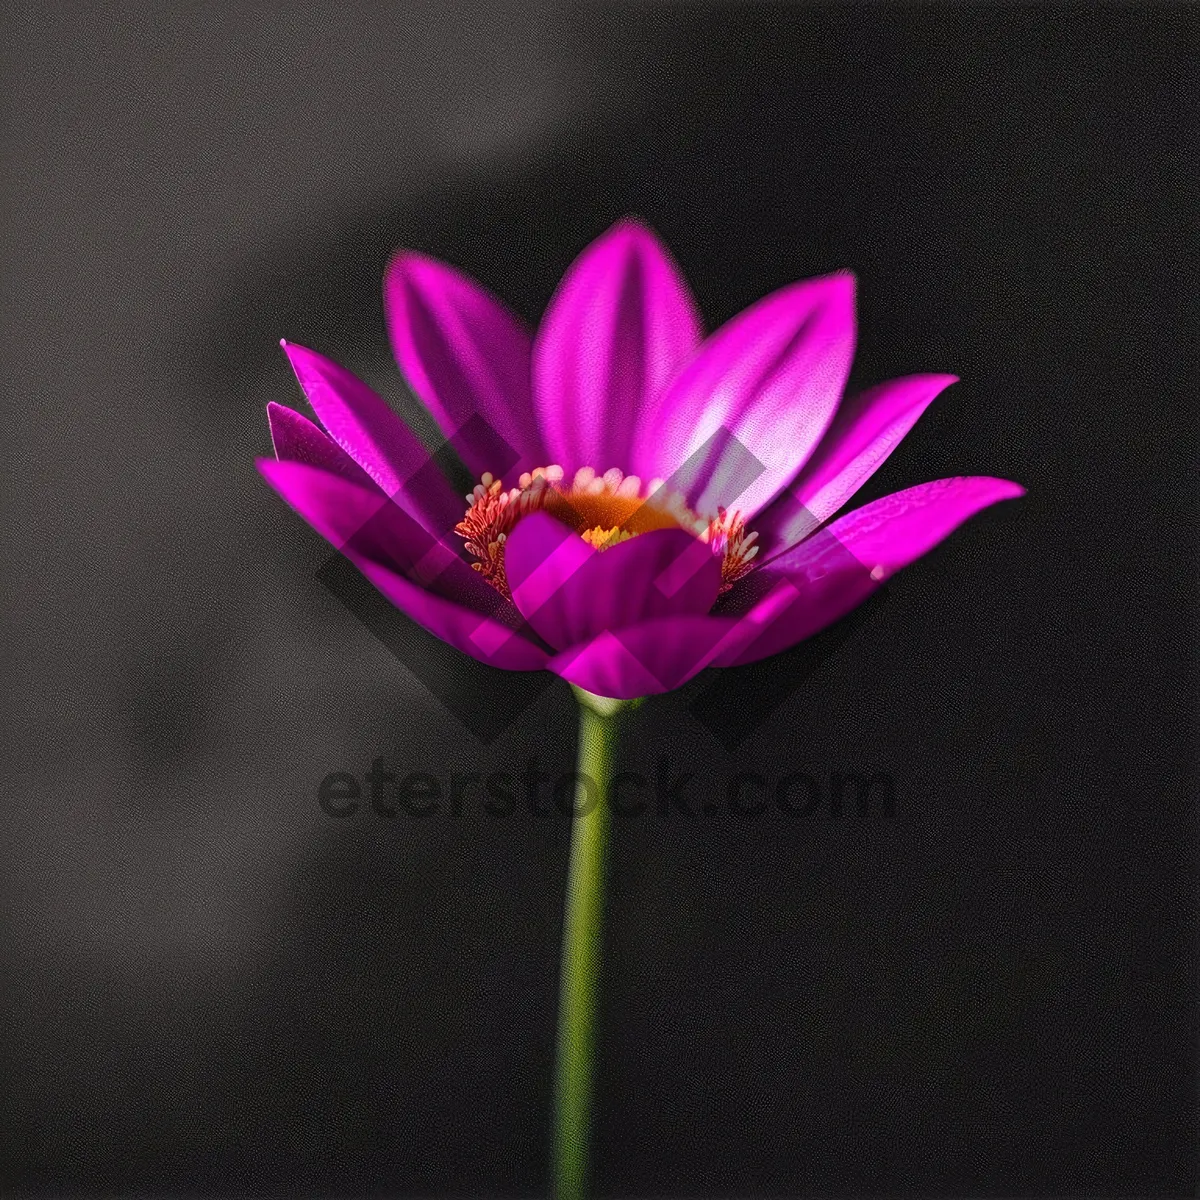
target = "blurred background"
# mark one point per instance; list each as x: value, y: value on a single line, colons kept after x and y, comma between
x: 213, y: 988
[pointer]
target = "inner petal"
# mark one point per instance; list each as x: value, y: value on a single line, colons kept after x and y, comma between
x: 569, y: 592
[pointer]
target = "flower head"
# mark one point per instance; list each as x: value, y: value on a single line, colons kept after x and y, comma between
x: 669, y: 498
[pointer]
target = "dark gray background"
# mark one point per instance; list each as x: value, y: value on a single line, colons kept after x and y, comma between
x: 213, y: 988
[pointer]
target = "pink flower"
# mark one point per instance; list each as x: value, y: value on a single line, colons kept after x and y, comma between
x: 669, y: 497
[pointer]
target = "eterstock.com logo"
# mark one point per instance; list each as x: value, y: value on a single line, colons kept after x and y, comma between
x: 666, y: 793
x: 469, y: 688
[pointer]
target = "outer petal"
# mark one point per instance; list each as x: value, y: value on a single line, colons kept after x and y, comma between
x: 375, y: 533
x: 297, y: 439
x: 619, y: 327
x: 745, y: 414
x: 483, y: 638
x: 865, y: 431
x: 641, y: 661
x: 658, y: 655
x: 570, y: 592
x: 820, y: 580
x: 363, y: 424
x: 467, y: 357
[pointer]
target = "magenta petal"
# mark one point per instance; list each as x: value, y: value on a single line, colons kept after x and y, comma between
x: 892, y: 531
x: 405, y: 563
x: 366, y: 526
x: 363, y: 424
x: 484, y: 638
x: 358, y: 420
x: 619, y: 327
x: 297, y: 439
x: 541, y: 556
x: 746, y: 412
x: 642, y: 661
x: 661, y: 655
x: 467, y: 357
x: 795, y: 607
x: 570, y: 592
x: 823, y: 578
x: 864, y: 432
x: 655, y: 656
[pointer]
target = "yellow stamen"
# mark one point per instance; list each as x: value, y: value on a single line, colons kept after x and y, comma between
x: 602, y: 538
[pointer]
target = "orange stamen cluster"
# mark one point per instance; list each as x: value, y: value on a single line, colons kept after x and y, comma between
x: 603, y: 509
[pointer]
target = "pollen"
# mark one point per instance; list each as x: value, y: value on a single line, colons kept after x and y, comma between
x: 604, y: 509
x: 603, y: 538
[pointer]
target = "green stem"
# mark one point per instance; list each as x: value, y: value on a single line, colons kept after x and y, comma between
x: 583, y: 917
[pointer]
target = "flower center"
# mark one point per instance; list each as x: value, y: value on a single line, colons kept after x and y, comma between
x: 603, y: 509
